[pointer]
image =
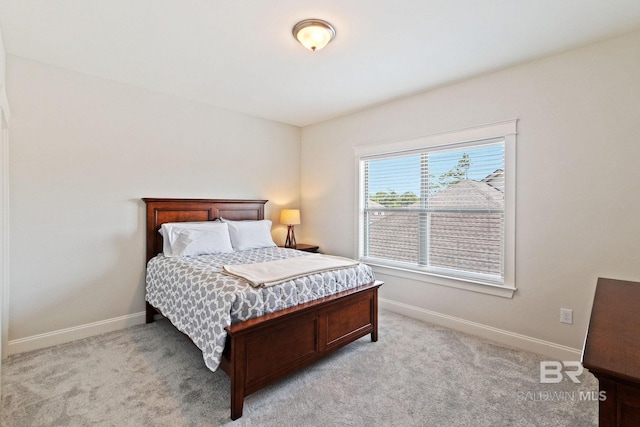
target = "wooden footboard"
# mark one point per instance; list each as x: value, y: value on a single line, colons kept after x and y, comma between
x: 263, y: 350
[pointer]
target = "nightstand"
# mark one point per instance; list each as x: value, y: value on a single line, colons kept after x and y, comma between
x: 306, y: 248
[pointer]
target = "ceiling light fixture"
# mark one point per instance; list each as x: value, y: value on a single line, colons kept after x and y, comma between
x: 314, y: 34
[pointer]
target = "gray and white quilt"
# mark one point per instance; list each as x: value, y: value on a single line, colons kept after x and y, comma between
x: 200, y: 300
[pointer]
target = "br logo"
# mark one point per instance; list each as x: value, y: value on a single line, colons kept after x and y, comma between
x: 552, y: 371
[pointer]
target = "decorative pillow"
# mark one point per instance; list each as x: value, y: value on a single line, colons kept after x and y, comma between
x: 250, y: 234
x: 195, y: 238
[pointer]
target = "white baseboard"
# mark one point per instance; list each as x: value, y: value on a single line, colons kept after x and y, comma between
x: 547, y: 348
x: 62, y: 336
x: 511, y: 339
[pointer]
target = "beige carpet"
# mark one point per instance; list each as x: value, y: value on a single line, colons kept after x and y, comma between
x: 415, y: 375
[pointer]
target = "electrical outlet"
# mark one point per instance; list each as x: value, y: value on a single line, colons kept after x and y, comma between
x: 566, y: 316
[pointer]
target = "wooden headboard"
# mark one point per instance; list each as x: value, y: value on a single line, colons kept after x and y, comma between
x: 160, y: 211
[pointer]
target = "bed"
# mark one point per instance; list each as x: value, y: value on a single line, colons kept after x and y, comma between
x: 261, y: 350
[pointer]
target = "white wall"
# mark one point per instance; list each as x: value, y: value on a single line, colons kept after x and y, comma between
x: 83, y: 152
x: 4, y: 200
x: 578, y: 193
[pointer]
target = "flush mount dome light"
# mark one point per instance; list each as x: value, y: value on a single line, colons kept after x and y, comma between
x: 314, y: 34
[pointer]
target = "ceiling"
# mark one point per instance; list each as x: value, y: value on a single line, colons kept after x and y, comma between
x: 241, y: 55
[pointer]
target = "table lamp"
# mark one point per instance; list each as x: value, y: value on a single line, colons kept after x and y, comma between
x: 290, y: 217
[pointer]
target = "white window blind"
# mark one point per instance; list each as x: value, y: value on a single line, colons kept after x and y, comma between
x: 440, y: 210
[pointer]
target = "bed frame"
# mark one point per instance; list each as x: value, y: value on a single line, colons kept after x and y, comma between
x: 263, y: 350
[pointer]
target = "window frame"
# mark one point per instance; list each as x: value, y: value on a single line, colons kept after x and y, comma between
x: 506, y: 130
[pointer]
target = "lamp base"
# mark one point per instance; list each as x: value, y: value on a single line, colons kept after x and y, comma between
x: 291, y: 238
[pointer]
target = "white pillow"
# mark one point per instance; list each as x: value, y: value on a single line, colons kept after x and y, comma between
x: 167, y: 235
x: 195, y: 238
x: 250, y: 234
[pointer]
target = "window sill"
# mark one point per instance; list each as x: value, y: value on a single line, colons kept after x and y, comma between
x: 465, y: 284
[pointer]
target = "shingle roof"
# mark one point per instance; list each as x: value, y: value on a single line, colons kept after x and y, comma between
x: 468, y: 194
x: 457, y: 240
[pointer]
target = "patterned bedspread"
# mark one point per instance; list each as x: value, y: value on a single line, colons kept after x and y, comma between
x: 200, y: 300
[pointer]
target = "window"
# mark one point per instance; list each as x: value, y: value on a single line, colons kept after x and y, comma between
x: 441, y: 206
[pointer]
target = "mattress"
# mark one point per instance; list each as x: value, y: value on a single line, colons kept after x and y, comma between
x: 201, y: 301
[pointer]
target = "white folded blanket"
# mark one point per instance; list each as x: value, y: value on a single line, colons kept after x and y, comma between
x: 270, y: 273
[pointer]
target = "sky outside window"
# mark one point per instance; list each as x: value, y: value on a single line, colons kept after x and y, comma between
x: 402, y: 174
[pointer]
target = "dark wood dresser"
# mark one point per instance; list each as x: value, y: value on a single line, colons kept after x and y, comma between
x: 612, y: 350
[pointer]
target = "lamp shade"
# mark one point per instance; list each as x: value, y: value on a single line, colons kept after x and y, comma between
x: 290, y: 216
x: 314, y: 34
